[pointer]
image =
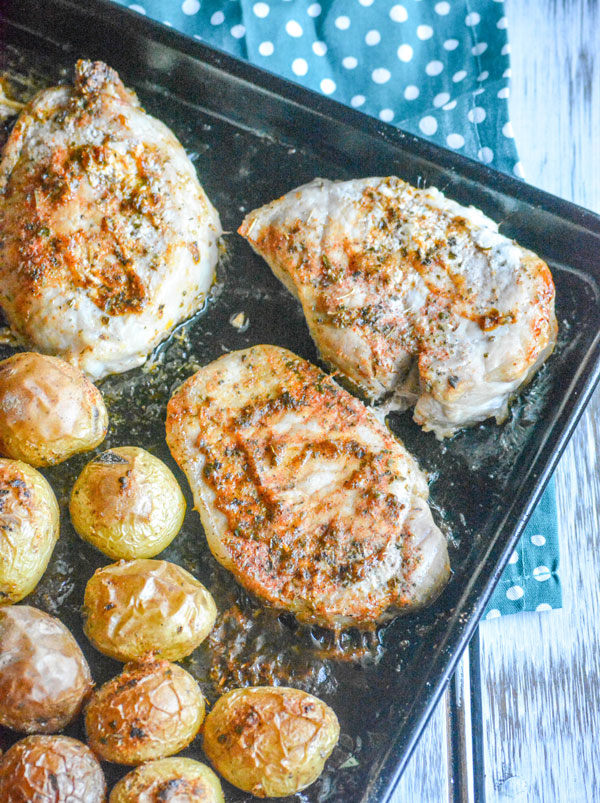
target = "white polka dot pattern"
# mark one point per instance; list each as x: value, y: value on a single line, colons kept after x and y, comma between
x: 261, y: 10
x: 476, y: 115
x: 455, y: 140
x: 190, y: 7
x: 299, y: 67
x: 294, y: 28
x: 538, y: 540
x: 398, y: 13
x: 428, y: 125
x: 434, y: 67
x: 266, y: 48
x: 424, y: 32
x: 514, y: 592
x: 405, y: 52
x: 381, y: 75
x: 542, y: 574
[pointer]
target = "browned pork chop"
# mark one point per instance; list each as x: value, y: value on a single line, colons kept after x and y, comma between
x: 304, y: 496
x: 107, y: 240
x: 411, y: 296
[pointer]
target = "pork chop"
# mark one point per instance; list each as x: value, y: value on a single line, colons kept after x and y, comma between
x: 107, y: 238
x: 303, y: 494
x: 411, y: 296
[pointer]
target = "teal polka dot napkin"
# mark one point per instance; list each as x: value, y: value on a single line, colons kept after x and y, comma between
x: 436, y: 69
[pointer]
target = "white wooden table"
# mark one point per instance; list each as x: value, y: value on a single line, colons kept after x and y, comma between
x: 540, y: 672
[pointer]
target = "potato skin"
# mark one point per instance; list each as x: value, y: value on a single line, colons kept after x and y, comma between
x: 49, y: 410
x: 127, y: 503
x: 135, y: 607
x: 270, y: 741
x: 29, y: 528
x: 181, y: 780
x: 44, y: 677
x: 153, y: 709
x: 51, y: 769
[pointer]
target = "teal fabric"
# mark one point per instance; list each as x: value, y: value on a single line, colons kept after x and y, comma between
x: 437, y: 69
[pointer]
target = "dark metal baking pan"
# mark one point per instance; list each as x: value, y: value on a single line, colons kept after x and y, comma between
x: 253, y: 137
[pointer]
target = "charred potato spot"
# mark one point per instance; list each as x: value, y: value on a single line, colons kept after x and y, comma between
x: 51, y: 769
x: 29, y: 527
x: 151, y: 710
x: 270, y: 741
x: 127, y: 503
x: 44, y: 677
x: 49, y: 410
x: 141, y: 606
x: 170, y: 779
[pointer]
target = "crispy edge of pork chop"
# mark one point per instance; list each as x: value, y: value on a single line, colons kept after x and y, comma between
x: 303, y: 494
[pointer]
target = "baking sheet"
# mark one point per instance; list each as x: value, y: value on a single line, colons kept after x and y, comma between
x: 253, y: 137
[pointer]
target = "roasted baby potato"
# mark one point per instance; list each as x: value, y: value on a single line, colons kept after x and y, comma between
x: 151, y: 710
x: 135, y: 607
x: 270, y: 741
x: 176, y: 779
x: 49, y: 410
x: 28, y: 528
x: 127, y: 503
x: 51, y: 769
x: 44, y: 677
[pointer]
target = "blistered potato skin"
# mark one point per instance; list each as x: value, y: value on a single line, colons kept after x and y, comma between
x: 51, y: 769
x: 44, y: 677
x: 49, y: 410
x: 270, y: 741
x: 153, y: 709
x: 29, y: 528
x: 181, y: 780
x: 135, y: 607
x: 127, y: 503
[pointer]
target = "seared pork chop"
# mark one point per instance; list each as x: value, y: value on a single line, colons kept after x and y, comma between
x: 411, y: 296
x: 304, y: 496
x: 107, y: 239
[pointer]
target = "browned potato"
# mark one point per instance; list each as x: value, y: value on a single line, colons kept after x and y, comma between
x: 270, y: 741
x: 181, y: 780
x: 51, y: 769
x: 151, y: 710
x: 28, y: 528
x: 49, y: 410
x: 140, y: 606
x: 44, y: 677
x: 127, y: 503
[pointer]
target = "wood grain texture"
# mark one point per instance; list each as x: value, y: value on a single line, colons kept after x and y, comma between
x: 541, y: 672
x: 427, y: 776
